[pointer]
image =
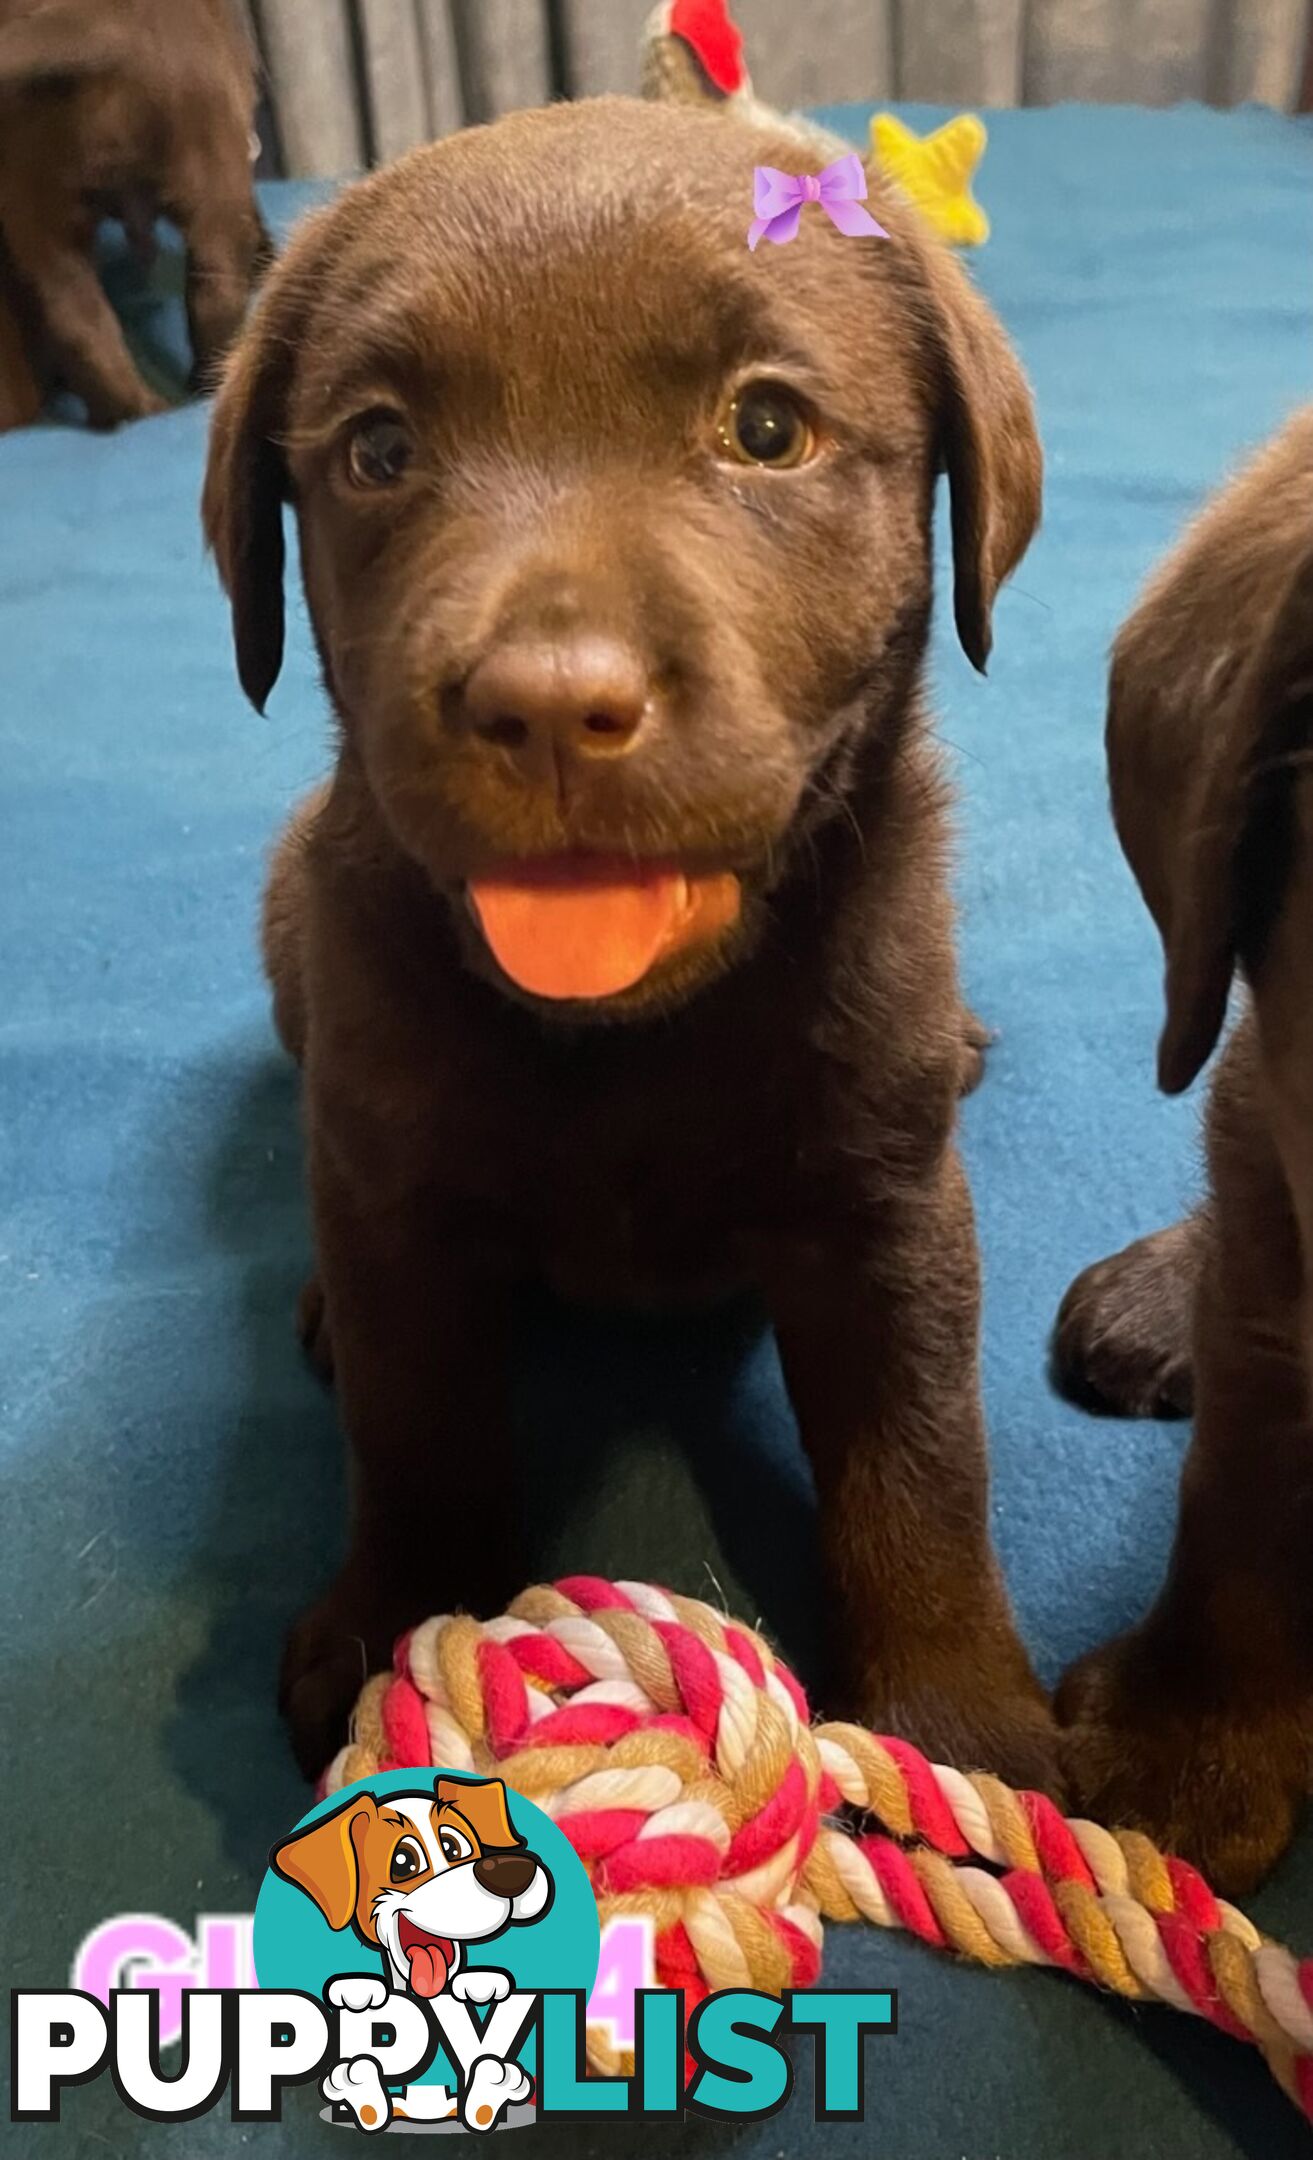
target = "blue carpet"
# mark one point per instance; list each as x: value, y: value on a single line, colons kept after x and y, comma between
x: 172, y: 1490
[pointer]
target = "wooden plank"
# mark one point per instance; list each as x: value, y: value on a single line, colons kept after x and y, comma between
x: 307, y: 49
x: 504, y: 60
x: 1074, y: 49
x: 960, y: 52
x: 446, y: 110
x: 394, y: 77
x: 828, y: 52
x: 1258, y: 55
x: 1165, y: 57
x: 1145, y: 52
x: 1002, y: 35
x: 602, y: 44
x: 825, y: 54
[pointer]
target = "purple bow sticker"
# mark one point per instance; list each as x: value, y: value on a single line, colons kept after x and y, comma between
x: 778, y: 197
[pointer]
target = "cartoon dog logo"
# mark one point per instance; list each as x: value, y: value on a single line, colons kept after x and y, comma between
x: 418, y: 1876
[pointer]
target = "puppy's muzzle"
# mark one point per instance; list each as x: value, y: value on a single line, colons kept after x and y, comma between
x: 557, y: 707
x: 507, y: 1875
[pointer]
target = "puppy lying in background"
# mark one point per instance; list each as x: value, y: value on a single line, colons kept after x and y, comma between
x: 618, y: 950
x: 127, y: 109
x: 1199, y: 1724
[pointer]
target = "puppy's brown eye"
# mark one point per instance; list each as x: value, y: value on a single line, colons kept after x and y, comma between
x: 407, y: 1861
x: 455, y: 1848
x: 765, y: 425
x: 381, y: 449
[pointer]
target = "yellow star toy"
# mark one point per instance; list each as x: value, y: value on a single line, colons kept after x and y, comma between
x: 934, y: 172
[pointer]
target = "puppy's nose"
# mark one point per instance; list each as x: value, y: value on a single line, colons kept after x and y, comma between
x: 551, y: 703
x: 507, y: 1875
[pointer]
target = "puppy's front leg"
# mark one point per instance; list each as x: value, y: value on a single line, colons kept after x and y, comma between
x: 79, y: 325
x: 877, y: 1322
x: 419, y: 1348
x: 1197, y: 1725
x: 226, y: 242
x: 22, y: 387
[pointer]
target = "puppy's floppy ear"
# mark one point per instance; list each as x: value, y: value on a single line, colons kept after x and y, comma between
x: 989, y: 444
x: 1213, y: 853
x: 246, y: 485
x: 483, y: 1804
x: 324, y: 1860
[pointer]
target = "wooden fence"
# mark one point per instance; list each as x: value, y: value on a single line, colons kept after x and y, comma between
x: 357, y: 81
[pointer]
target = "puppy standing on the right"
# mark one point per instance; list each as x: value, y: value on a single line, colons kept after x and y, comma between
x: 1198, y: 1725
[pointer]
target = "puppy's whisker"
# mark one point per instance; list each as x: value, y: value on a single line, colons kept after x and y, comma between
x: 1023, y: 592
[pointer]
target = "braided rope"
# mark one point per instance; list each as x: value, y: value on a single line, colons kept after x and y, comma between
x: 674, y: 1751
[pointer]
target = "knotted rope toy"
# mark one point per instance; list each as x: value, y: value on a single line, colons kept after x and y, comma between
x: 674, y: 1750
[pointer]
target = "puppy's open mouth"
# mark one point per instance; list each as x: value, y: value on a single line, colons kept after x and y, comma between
x: 430, y: 1957
x: 591, y: 926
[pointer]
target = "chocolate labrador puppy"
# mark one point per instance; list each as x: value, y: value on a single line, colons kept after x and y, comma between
x: 127, y: 109
x: 1199, y: 1724
x: 618, y: 950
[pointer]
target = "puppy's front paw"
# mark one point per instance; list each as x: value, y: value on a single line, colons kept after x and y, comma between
x: 105, y: 411
x: 1123, y: 1336
x: 1004, y: 1727
x: 329, y: 1654
x: 357, y: 1991
x: 1220, y: 1785
x: 481, y: 1984
x: 492, y: 2086
x: 358, y: 2086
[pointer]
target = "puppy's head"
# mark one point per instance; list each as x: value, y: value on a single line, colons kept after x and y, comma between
x: 418, y: 1874
x: 1210, y: 743
x: 51, y: 48
x: 616, y: 537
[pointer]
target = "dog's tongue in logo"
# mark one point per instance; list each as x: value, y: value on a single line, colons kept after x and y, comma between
x: 430, y: 1957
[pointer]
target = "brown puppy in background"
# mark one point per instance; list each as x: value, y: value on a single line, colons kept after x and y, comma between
x: 618, y: 951
x: 1199, y: 1724
x: 128, y: 109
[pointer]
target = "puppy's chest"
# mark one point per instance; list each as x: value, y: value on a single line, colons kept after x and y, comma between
x: 656, y: 1197
x: 631, y: 1240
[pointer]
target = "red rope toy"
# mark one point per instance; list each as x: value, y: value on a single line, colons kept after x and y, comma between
x: 675, y: 1752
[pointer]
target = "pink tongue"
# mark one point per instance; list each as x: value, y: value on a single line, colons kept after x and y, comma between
x: 428, y: 1969
x: 579, y: 930
x: 572, y: 928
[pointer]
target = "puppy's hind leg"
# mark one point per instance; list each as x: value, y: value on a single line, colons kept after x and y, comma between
x: 1122, y: 1342
x: 355, y: 2092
